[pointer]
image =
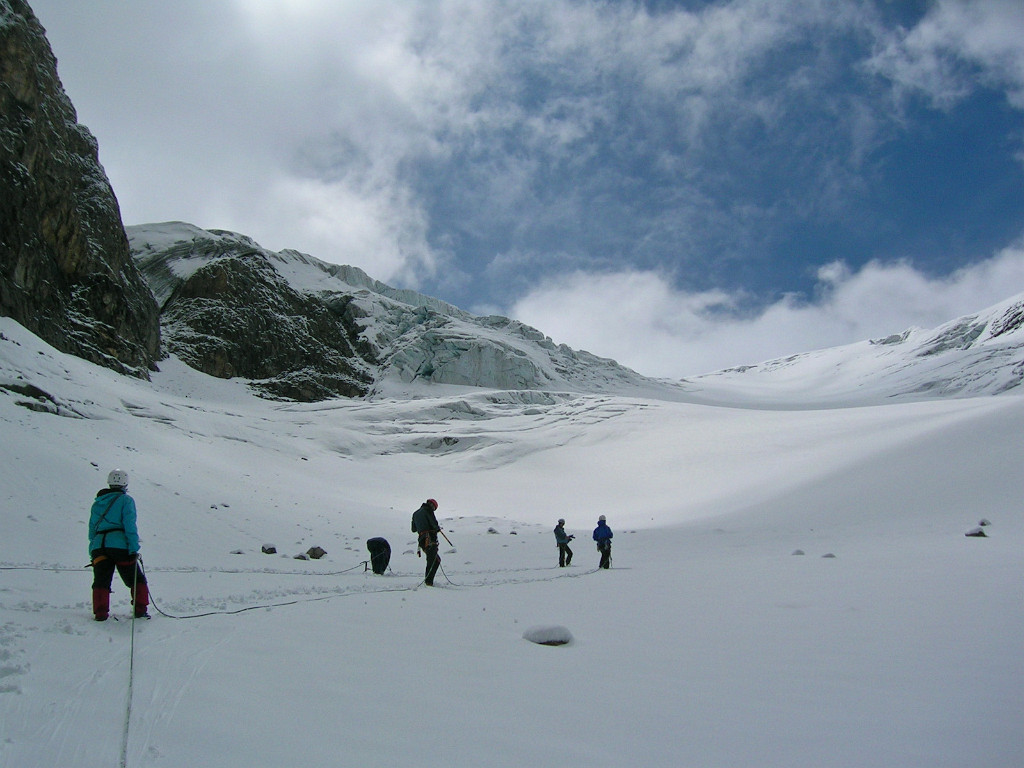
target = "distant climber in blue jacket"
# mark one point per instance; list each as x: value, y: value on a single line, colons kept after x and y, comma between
x: 114, y: 544
x: 603, y: 537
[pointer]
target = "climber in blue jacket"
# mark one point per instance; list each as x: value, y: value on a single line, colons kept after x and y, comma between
x: 114, y: 544
x: 603, y: 537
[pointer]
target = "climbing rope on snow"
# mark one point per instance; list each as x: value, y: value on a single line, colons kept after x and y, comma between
x: 441, y: 569
x: 129, y: 695
x: 297, y: 601
x: 131, y: 674
x: 557, y: 576
x: 54, y: 568
x: 280, y: 604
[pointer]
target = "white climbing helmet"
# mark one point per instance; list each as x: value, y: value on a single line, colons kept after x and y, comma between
x: 117, y: 478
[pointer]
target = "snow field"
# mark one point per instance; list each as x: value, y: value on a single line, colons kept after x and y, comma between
x: 708, y: 642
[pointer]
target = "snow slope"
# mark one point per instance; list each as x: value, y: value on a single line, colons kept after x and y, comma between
x: 979, y: 354
x: 708, y: 643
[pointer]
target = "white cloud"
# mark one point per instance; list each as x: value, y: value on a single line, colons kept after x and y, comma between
x: 639, y: 319
x: 937, y: 56
x: 304, y: 124
x: 203, y: 110
x: 343, y: 223
x: 285, y: 121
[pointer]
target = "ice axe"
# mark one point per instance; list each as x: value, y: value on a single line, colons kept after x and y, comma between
x: 445, y: 538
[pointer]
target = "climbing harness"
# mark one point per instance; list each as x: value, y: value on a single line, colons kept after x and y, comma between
x: 103, y: 519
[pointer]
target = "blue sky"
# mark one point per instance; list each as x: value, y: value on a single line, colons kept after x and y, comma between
x: 681, y: 186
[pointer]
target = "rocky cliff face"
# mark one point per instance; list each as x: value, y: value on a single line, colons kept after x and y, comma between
x: 306, y: 330
x: 296, y: 327
x: 66, y: 272
x: 230, y: 313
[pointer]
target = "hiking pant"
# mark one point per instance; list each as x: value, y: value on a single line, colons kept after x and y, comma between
x: 605, y: 548
x: 104, y: 563
x: 564, y: 555
x: 433, y: 563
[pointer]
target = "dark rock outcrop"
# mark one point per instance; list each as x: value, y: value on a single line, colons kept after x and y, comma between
x: 66, y: 272
x: 235, y: 315
x: 302, y: 329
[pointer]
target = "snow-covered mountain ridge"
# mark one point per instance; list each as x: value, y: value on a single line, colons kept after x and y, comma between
x: 402, y: 343
x: 978, y: 354
x: 213, y: 285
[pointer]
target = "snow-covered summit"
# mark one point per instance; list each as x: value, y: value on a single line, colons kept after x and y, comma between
x: 977, y: 354
x: 185, y: 248
x: 216, y: 289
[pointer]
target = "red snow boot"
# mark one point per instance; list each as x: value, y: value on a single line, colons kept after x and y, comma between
x: 140, y: 599
x: 100, y: 603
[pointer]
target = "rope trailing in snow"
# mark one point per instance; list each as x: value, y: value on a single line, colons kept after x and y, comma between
x: 131, y: 648
x: 263, y: 572
x: 131, y: 673
x: 171, y: 569
x: 440, y: 567
x: 55, y: 568
x: 297, y: 601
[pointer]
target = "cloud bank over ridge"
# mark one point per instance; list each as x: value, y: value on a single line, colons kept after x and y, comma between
x: 495, y: 153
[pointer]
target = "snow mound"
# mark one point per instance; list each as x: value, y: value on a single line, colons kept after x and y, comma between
x: 548, y: 635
